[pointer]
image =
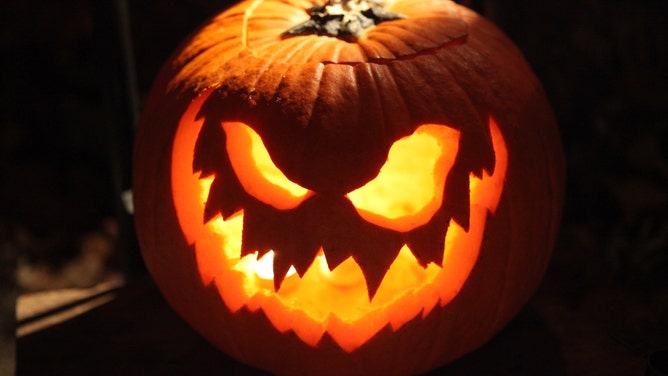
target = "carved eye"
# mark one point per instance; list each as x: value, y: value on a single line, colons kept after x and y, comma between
x: 408, y: 190
x: 256, y: 172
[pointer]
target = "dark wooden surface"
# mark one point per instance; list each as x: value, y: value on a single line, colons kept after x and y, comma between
x: 138, y: 334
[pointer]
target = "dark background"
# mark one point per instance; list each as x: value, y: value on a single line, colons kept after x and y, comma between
x: 66, y: 131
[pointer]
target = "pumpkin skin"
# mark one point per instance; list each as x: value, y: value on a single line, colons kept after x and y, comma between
x: 328, y: 112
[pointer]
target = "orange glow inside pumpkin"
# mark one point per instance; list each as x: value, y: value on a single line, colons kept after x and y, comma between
x: 336, y: 301
x: 406, y: 193
x: 409, y: 187
x: 256, y: 172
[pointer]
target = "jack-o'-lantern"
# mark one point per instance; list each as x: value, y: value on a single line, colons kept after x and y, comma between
x: 347, y: 188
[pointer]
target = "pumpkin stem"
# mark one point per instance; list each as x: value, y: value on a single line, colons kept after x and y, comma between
x: 343, y: 18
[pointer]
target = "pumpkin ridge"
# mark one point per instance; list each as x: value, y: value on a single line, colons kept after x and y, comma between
x: 387, y: 61
x: 427, y: 242
x: 244, y: 23
x: 365, y: 74
x: 399, y: 98
x: 308, y: 54
x: 285, y: 52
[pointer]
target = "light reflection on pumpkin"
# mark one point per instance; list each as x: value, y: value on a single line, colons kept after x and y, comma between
x: 334, y: 301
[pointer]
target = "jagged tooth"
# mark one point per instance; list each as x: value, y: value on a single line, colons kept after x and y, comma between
x: 227, y: 212
x: 338, y: 249
x: 302, y: 248
x: 281, y: 266
x: 253, y: 236
x: 247, y: 248
x: 427, y: 242
x: 210, y: 211
x: 226, y: 196
x: 230, y: 205
x: 223, y: 198
x: 471, y: 159
x: 373, y: 283
x: 462, y: 215
x: 308, y: 252
x: 376, y: 260
x: 262, y: 252
x: 209, y: 147
x: 212, y: 206
x: 335, y: 255
x: 374, y: 273
x: 482, y: 162
x: 457, y: 196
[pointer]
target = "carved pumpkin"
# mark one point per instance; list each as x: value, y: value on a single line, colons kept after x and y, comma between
x: 378, y: 203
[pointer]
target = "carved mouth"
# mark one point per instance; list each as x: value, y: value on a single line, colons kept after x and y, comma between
x: 331, y: 226
x: 331, y: 292
x: 401, y: 205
